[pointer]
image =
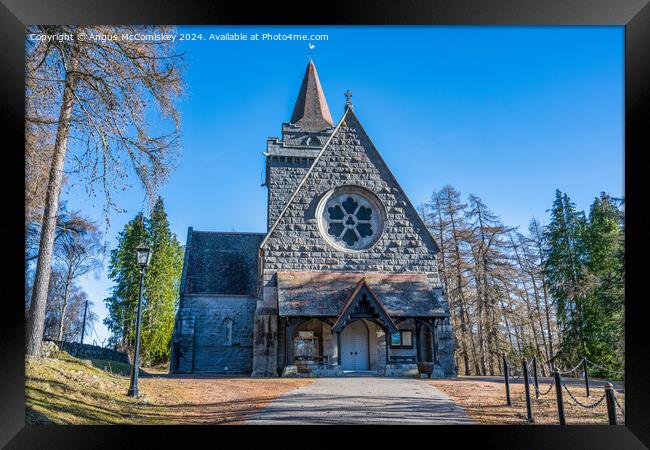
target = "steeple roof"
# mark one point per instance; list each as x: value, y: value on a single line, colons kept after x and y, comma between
x: 311, y: 112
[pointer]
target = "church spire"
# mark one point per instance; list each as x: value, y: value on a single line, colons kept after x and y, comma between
x: 311, y: 112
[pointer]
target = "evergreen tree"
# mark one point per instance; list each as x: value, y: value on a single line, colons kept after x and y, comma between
x: 162, y: 282
x: 565, y: 266
x: 125, y: 273
x: 605, y: 276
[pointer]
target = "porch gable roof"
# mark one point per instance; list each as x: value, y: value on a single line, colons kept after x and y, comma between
x: 325, y: 294
x: 363, y: 304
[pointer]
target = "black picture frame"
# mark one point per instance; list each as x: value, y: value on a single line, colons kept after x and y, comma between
x: 401, y: 333
x: 633, y: 14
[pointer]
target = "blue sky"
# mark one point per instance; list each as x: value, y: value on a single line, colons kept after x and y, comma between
x: 507, y: 113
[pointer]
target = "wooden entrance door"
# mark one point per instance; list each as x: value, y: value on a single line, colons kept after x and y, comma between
x: 354, y: 346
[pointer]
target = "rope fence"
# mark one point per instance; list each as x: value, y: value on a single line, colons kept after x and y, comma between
x: 619, y: 406
x: 579, y: 403
x: 617, y: 372
x: 572, y: 370
x: 530, y: 375
x: 550, y: 386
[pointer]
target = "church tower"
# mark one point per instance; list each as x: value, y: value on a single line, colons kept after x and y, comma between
x: 289, y: 158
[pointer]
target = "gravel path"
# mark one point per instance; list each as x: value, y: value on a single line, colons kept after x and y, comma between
x: 363, y: 401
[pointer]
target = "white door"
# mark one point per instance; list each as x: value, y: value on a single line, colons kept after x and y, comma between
x: 354, y: 346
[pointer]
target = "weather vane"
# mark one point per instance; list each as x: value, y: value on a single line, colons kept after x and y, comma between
x: 311, y: 47
x: 348, y: 101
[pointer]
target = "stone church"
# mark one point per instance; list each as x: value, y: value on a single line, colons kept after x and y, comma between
x: 343, y: 280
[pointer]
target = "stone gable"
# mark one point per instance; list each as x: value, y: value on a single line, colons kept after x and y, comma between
x: 349, y: 158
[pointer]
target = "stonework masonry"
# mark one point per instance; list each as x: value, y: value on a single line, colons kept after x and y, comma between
x: 284, y: 174
x: 201, y: 343
x: 88, y: 351
x: 296, y: 243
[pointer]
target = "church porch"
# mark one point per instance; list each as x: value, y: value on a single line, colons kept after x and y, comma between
x: 336, y: 323
x: 312, y: 348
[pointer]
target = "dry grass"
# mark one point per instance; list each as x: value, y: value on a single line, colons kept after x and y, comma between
x: 484, y: 400
x: 66, y: 390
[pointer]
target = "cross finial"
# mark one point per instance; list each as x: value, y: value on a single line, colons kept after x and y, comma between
x: 348, y: 101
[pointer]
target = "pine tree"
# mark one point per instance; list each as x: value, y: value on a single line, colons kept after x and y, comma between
x: 162, y: 282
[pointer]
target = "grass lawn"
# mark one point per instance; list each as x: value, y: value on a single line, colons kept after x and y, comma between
x: 484, y: 400
x: 67, y: 390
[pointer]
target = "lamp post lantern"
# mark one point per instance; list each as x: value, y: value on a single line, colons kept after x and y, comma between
x: 143, y: 255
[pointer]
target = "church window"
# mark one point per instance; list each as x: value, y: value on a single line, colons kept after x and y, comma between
x: 402, y: 339
x: 227, y: 327
x: 351, y: 218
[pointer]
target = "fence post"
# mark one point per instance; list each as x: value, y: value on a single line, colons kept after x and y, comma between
x: 586, y: 370
x: 505, y: 374
x: 535, y: 376
x: 611, y: 404
x: 558, y: 392
x: 529, y: 407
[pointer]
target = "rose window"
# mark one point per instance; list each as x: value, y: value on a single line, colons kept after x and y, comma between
x: 351, y: 218
x: 349, y: 221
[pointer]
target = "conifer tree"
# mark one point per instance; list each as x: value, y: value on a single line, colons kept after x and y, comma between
x: 162, y: 282
x: 125, y: 273
x: 605, y: 275
x: 564, y: 267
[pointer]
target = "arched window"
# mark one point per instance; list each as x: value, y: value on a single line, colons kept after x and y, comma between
x: 227, y: 328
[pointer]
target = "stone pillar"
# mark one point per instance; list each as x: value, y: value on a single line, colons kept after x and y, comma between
x: 434, y: 340
x: 265, y: 335
x: 387, y: 334
x: 417, y: 342
x: 338, y: 348
x: 445, y: 340
x: 291, y: 330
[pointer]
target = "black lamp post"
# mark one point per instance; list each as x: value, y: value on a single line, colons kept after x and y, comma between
x: 143, y: 254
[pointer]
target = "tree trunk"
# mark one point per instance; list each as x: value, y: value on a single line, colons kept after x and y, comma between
x: 63, y: 308
x: 464, y: 317
x: 540, y: 253
x: 541, y: 322
x: 36, y: 320
x: 452, y: 307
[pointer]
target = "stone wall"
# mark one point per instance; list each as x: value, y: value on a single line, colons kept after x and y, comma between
x: 214, y: 334
x: 88, y: 351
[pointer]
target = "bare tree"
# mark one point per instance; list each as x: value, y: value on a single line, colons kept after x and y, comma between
x: 96, y: 96
x: 494, y: 280
x: 76, y: 254
x: 74, y: 316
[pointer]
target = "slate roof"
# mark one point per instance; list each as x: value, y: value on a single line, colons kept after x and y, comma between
x: 326, y: 293
x: 311, y: 112
x: 221, y: 263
